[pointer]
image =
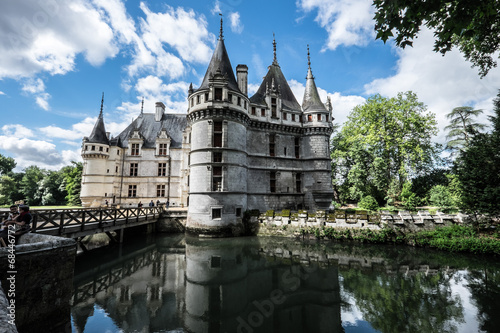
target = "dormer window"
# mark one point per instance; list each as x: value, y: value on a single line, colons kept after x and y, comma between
x: 162, y: 149
x: 218, y: 94
x: 134, y: 149
x: 273, y: 107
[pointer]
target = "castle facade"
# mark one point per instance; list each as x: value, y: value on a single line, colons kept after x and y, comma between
x: 229, y: 154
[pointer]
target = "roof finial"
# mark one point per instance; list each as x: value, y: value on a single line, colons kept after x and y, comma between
x: 275, y: 61
x: 142, y: 105
x: 221, y: 37
x: 308, y: 57
x: 102, y: 103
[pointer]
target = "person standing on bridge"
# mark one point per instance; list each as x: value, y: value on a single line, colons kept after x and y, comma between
x: 151, y: 204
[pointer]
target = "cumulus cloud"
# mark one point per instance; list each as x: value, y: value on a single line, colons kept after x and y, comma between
x: 342, y: 105
x: 2, y: 93
x: 441, y: 82
x: 29, y: 152
x: 37, y: 89
x: 17, y: 130
x: 348, y: 22
x: 216, y: 9
x: 236, y: 25
x: 46, y: 36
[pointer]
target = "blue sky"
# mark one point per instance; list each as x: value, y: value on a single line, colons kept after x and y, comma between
x: 59, y: 56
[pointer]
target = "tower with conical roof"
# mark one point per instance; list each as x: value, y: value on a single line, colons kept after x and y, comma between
x: 317, y: 130
x: 95, y: 154
x: 218, y: 116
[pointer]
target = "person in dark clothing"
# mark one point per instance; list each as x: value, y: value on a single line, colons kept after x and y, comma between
x: 20, y: 225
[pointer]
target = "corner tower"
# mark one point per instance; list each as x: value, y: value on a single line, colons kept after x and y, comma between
x: 218, y: 116
x: 95, y: 154
x: 317, y: 130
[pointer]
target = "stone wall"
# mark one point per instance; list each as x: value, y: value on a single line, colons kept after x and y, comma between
x: 286, y: 222
x: 43, y: 282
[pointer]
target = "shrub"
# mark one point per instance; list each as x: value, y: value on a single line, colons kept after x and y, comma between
x: 368, y: 202
x: 440, y: 196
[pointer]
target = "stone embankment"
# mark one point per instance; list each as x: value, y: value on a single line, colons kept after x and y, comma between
x: 286, y: 223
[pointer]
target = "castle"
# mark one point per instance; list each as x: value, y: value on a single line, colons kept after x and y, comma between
x: 229, y: 154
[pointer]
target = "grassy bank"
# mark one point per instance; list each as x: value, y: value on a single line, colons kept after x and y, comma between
x: 454, y: 239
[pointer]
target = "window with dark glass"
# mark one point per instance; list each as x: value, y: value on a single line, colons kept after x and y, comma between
x: 263, y: 112
x: 134, y: 149
x: 162, y: 169
x: 218, y: 94
x: 272, y: 142
x: 198, y: 99
x: 217, y: 178
x: 160, y: 190
x: 273, y: 107
x: 238, y: 212
x: 217, y: 157
x: 162, y: 149
x: 309, y: 117
x: 319, y: 117
x: 230, y: 98
x: 217, y: 134
x: 284, y: 115
x: 298, y: 183
x: 253, y: 111
x: 293, y: 117
x: 272, y: 181
x: 239, y: 101
x: 133, y: 169
x: 297, y: 147
x: 206, y: 97
x: 326, y: 118
x: 132, y: 191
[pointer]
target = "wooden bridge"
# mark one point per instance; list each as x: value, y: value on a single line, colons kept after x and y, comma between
x: 80, y: 222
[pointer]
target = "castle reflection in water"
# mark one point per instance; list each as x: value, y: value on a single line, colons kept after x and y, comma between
x: 184, y: 284
x: 212, y: 285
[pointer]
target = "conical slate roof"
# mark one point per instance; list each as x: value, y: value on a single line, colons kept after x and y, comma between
x: 275, y: 79
x: 220, y: 62
x: 98, y: 134
x: 311, y: 101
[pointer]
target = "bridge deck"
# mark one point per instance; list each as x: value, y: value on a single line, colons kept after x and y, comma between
x: 74, y: 223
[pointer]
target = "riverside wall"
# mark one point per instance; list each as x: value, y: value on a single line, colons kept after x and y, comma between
x: 39, y: 284
x: 289, y: 224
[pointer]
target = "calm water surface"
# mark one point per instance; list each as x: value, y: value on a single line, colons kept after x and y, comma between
x: 184, y: 284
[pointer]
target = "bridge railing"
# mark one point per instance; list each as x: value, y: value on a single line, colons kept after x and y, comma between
x: 61, y: 221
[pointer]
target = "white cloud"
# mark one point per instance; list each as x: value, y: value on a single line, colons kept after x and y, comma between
x: 236, y: 25
x: 252, y: 88
x: 216, y: 10
x: 29, y: 152
x: 2, y: 93
x: 441, y: 82
x: 342, y: 105
x: 348, y: 22
x: 46, y: 36
x: 37, y: 88
x: 17, y: 130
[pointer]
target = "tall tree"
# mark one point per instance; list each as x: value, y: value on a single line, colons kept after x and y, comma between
x: 471, y: 26
x: 478, y: 170
x: 7, y: 164
x: 384, y: 143
x: 462, y: 127
x: 72, y: 183
x: 29, y: 184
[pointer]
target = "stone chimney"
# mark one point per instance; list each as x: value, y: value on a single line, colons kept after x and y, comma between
x: 242, y: 78
x: 160, y: 110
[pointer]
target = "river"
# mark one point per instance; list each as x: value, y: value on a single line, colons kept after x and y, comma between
x: 165, y: 283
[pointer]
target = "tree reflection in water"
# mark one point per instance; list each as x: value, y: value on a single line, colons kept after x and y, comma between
x: 251, y: 285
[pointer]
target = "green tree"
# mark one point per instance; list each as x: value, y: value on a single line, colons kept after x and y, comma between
x: 471, y: 26
x: 478, y: 170
x: 384, y: 143
x: 50, y: 191
x: 462, y: 127
x: 72, y: 183
x: 7, y: 164
x: 29, y: 184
